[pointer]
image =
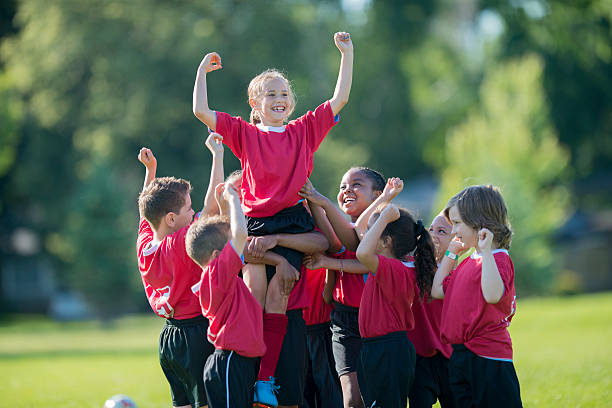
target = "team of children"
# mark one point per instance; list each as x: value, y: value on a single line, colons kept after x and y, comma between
x: 273, y: 298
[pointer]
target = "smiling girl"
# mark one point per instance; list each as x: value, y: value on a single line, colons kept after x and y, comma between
x: 276, y: 159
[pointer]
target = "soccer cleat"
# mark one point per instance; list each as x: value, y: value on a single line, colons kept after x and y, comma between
x: 265, y: 394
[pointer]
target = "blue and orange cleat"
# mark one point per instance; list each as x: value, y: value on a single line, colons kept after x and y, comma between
x: 265, y: 394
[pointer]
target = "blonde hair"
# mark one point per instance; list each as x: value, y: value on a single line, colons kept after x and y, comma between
x: 256, y: 88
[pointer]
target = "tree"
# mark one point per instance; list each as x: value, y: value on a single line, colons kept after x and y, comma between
x: 509, y: 142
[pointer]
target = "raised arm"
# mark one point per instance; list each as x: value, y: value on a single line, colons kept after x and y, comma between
x: 145, y: 156
x: 449, y: 262
x: 214, y: 142
x: 211, y: 62
x: 490, y: 279
x: 343, y: 229
x: 238, y: 226
x: 321, y: 221
x: 366, y: 252
x: 393, y: 187
x: 345, y: 75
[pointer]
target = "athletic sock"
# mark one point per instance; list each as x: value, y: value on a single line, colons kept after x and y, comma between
x: 274, y: 329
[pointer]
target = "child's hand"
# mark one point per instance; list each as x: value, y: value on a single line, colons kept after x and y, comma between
x: 230, y: 192
x: 220, y: 199
x: 311, y: 194
x: 145, y: 156
x: 393, y: 187
x: 287, y: 276
x: 485, y: 240
x: 313, y: 261
x: 390, y: 213
x: 457, y: 247
x: 211, y: 62
x: 258, y: 246
x: 343, y: 42
x: 214, y: 142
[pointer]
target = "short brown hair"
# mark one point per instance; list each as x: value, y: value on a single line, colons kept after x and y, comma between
x: 483, y: 206
x: 161, y: 196
x: 204, y: 236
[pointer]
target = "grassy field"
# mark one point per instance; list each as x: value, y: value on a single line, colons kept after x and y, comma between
x: 562, y: 346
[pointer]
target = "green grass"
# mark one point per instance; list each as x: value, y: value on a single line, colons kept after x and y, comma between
x: 562, y: 347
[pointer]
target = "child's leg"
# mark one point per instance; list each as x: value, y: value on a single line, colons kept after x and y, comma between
x: 274, y: 327
x: 229, y: 379
x: 254, y: 277
x: 346, y: 345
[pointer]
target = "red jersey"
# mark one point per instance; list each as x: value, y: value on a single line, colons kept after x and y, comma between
x: 317, y: 311
x: 349, y: 286
x: 275, y: 164
x: 426, y: 333
x: 235, y: 317
x: 168, y: 273
x: 468, y: 319
x: 298, y: 298
x: 387, y: 299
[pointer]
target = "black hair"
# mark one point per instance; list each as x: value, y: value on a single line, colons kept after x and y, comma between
x: 377, y: 179
x: 408, y: 235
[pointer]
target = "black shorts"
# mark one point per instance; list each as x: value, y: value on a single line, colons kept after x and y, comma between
x: 431, y: 383
x: 292, y: 220
x: 230, y: 379
x: 386, y: 370
x: 322, y: 389
x: 346, y: 340
x: 183, y: 350
x: 291, y: 367
x: 482, y: 382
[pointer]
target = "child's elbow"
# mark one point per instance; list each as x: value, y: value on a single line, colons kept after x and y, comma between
x: 437, y: 292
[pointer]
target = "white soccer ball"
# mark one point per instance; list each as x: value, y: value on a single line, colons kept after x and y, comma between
x: 119, y: 401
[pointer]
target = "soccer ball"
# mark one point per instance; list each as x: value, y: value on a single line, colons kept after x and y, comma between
x: 119, y: 401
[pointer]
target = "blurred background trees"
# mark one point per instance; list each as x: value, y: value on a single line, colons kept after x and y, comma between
x: 515, y: 93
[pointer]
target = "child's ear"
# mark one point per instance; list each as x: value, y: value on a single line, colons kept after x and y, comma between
x: 170, y: 219
x: 252, y: 103
x: 387, y: 241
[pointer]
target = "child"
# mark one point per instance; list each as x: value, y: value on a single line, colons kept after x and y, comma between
x: 276, y: 159
x: 387, y: 358
x: 168, y: 273
x: 431, y: 372
x: 359, y: 188
x: 236, y: 327
x: 479, y: 300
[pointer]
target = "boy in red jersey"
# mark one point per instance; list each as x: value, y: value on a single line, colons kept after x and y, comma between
x: 236, y: 318
x: 479, y: 300
x: 431, y: 372
x: 168, y: 273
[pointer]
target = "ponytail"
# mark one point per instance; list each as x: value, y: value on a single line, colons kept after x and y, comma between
x: 407, y: 236
x: 424, y: 260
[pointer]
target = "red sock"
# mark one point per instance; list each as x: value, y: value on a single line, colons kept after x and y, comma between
x: 274, y: 329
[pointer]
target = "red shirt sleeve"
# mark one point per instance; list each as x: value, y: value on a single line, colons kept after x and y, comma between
x: 220, y: 276
x: 232, y: 128
x: 391, y: 281
x: 317, y: 124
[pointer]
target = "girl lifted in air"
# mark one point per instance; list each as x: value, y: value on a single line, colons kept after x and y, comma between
x: 276, y: 158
